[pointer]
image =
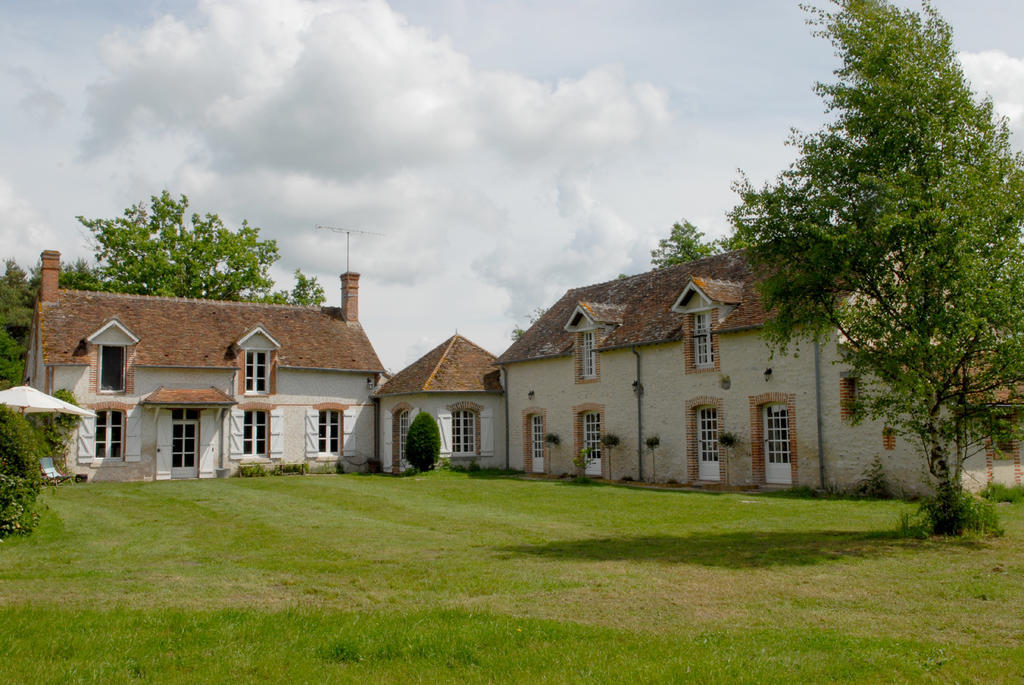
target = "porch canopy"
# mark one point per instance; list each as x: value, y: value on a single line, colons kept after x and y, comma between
x: 189, y: 397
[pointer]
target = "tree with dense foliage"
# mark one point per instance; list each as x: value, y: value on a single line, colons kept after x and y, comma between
x: 898, y: 229
x: 423, y: 442
x: 686, y: 243
x: 161, y: 250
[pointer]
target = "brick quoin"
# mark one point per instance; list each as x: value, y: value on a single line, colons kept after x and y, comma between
x: 757, y: 455
x: 692, y: 408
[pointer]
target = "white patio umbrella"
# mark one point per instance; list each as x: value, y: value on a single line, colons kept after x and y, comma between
x: 28, y: 400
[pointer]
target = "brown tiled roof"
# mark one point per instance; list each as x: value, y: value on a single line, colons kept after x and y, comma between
x: 456, y: 365
x: 646, y: 302
x: 164, y: 395
x: 185, y: 332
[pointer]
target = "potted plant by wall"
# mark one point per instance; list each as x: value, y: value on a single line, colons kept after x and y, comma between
x: 610, y: 441
x: 652, y: 442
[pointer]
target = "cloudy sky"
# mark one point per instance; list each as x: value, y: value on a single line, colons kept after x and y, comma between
x: 506, y: 150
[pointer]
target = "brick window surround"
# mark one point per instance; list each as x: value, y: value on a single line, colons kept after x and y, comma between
x: 847, y: 396
x: 396, y: 437
x: 693, y: 407
x: 1009, y: 449
x: 528, y: 415
x: 577, y: 354
x: 757, y: 456
x: 476, y: 410
x: 577, y: 431
x: 689, y: 362
x: 129, y: 370
x: 271, y: 372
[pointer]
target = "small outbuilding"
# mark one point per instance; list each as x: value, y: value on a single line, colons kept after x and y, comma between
x: 458, y: 384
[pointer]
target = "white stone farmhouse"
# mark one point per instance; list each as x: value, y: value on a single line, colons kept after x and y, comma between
x: 187, y: 388
x: 676, y: 354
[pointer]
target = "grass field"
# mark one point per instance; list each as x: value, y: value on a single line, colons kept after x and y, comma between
x: 449, y: 577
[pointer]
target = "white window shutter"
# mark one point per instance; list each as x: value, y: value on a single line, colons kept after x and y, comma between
x: 445, y: 421
x: 237, y: 423
x: 386, y: 441
x: 487, y: 432
x: 163, y: 444
x: 86, y: 438
x: 133, y: 434
x: 312, y: 433
x: 350, y: 444
x: 276, y: 433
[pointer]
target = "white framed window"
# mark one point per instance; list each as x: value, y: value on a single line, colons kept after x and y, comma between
x: 707, y: 434
x: 111, y: 368
x: 703, y: 354
x: 329, y: 435
x: 592, y: 433
x: 463, y: 432
x: 403, y: 432
x: 254, y: 434
x: 537, y: 437
x: 589, y: 355
x: 109, y: 434
x: 256, y: 368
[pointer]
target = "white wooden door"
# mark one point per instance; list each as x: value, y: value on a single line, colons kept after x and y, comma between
x: 185, y: 447
x: 707, y: 444
x: 592, y: 439
x: 776, y: 445
x: 537, y: 442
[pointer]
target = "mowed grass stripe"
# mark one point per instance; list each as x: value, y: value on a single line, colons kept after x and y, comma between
x: 627, y: 585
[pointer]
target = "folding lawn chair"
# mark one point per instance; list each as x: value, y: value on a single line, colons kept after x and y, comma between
x: 50, y: 473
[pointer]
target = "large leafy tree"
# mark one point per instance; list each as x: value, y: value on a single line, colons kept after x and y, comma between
x: 898, y: 229
x: 685, y: 243
x: 163, y: 250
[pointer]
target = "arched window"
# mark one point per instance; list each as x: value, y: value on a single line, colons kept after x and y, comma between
x: 463, y: 432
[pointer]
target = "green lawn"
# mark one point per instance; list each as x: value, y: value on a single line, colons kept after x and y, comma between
x: 453, y: 578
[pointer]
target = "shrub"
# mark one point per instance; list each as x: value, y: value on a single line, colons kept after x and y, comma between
x: 552, y: 439
x: 951, y: 511
x: 17, y: 505
x: 251, y: 471
x: 20, y: 479
x: 652, y: 442
x: 873, y: 483
x: 290, y: 469
x: 581, y: 461
x: 997, y: 492
x: 423, y: 442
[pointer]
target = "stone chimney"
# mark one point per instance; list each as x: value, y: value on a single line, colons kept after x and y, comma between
x: 51, y: 276
x: 350, y: 296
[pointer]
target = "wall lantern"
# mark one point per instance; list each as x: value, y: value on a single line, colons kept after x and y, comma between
x: 530, y: 394
x: 768, y: 374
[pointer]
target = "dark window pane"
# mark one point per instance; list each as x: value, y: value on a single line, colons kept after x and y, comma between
x: 112, y: 368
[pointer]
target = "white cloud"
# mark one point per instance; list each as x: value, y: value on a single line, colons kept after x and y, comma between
x: 23, y: 231
x: 1000, y: 76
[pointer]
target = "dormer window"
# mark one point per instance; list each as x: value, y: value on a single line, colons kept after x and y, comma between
x: 256, y: 368
x: 111, y: 368
x: 589, y: 355
x: 703, y: 353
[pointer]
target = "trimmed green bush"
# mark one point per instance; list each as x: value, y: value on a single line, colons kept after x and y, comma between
x: 251, y: 471
x: 20, y: 479
x: 423, y: 442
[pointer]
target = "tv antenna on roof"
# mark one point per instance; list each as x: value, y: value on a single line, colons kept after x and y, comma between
x: 348, y: 237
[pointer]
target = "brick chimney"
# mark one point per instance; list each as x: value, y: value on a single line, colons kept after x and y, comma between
x: 350, y: 296
x: 51, y: 276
